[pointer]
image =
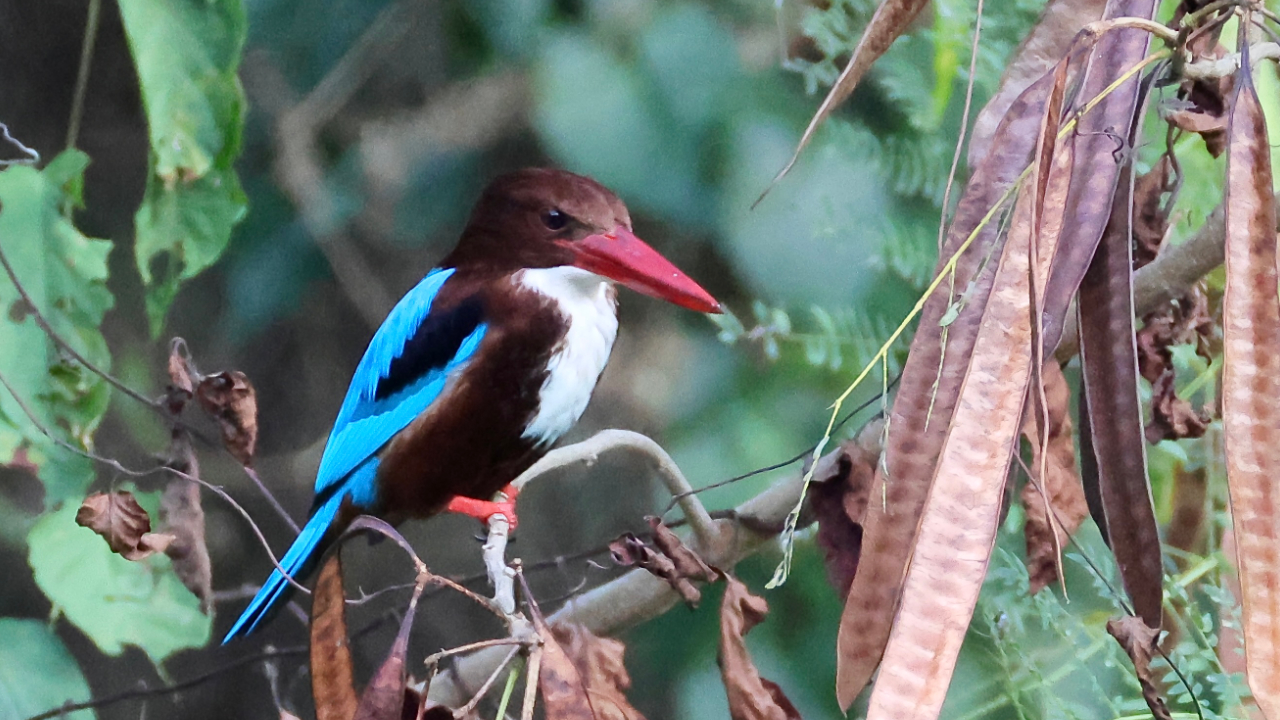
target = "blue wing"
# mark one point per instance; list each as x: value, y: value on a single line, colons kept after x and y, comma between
x: 402, y: 372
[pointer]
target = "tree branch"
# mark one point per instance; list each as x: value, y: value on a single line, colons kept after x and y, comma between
x: 637, y: 595
x: 1173, y: 271
x: 588, y: 451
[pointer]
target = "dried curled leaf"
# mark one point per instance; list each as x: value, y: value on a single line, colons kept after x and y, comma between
x: 229, y: 399
x: 331, y: 677
x: 1061, y: 483
x: 1184, y: 321
x: 385, y: 697
x: 1139, y: 643
x: 673, y: 561
x: 182, y: 516
x: 838, y: 499
x: 562, y: 688
x: 1172, y: 418
x: 1201, y: 105
x: 122, y: 522
x: 599, y: 664
x: 1150, y: 211
x: 751, y: 697
x: 182, y: 374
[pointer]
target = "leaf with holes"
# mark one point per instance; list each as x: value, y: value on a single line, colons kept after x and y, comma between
x: 186, y: 55
x: 64, y: 273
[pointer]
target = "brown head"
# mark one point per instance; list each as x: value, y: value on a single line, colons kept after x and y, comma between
x: 542, y: 217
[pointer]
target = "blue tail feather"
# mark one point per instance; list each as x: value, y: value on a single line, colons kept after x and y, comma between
x: 305, y: 549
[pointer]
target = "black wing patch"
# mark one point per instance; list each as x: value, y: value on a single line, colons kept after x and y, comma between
x: 432, y: 346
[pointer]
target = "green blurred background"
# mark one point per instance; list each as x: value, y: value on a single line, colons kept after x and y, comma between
x: 685, y: 109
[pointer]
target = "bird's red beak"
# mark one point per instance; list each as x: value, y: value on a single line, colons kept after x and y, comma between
x: 621, y: 256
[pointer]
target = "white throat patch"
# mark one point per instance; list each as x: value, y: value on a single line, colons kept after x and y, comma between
x: 585, y: 300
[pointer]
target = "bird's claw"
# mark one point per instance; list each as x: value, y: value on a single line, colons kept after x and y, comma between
x: 482, y: 510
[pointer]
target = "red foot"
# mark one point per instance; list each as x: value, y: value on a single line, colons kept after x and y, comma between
x: 482, y: 510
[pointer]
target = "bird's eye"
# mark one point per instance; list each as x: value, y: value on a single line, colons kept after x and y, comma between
x: 554, y: 219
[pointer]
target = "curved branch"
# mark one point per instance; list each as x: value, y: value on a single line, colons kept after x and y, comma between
x: 588, y: 451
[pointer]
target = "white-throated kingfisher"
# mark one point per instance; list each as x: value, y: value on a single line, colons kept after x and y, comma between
x: 483, y: 365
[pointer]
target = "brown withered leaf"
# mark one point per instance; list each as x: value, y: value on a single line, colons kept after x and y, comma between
x: 1150, y: 211
x: 122, y: 522
x: 751, y: 697
x: 686, y: 561
x: 1201, y: 105
x: 384, y: 697
x: 600, y: 667
x: 1183, y: 321
x: 838, y: 500
x: 672, y: 561
x: 1061, y: 483
x: 181, y: 372
x: 1139, y: 643
x: 1186, y: 529
x: 331, y: 676
x: 563, y: 691
x: 1172, y: 418
x: 229, y: 399
x: 182, y: 516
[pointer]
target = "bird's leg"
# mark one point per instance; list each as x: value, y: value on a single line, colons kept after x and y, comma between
x: 482, y: 510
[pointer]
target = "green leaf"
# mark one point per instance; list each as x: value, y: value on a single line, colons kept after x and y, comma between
x: 65, y: 274
x: 186, y: 53
x: 112, y: 600
x: 36, y: 672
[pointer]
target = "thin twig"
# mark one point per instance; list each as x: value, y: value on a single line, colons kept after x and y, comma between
x: 271, y: 499
x: 82, y: 75
x: 120, y: 468
x: 466, y: 710
x: 62, y: 343
x: 964, y: 126
x: 267, y: 654
x: 32, y: 156
x: 531, y: 683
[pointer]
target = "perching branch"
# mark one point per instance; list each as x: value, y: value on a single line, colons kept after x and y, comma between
x: 588, y: 451
x: 637, y: 595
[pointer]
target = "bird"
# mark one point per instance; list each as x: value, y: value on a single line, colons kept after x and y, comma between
x: 483, y: 365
